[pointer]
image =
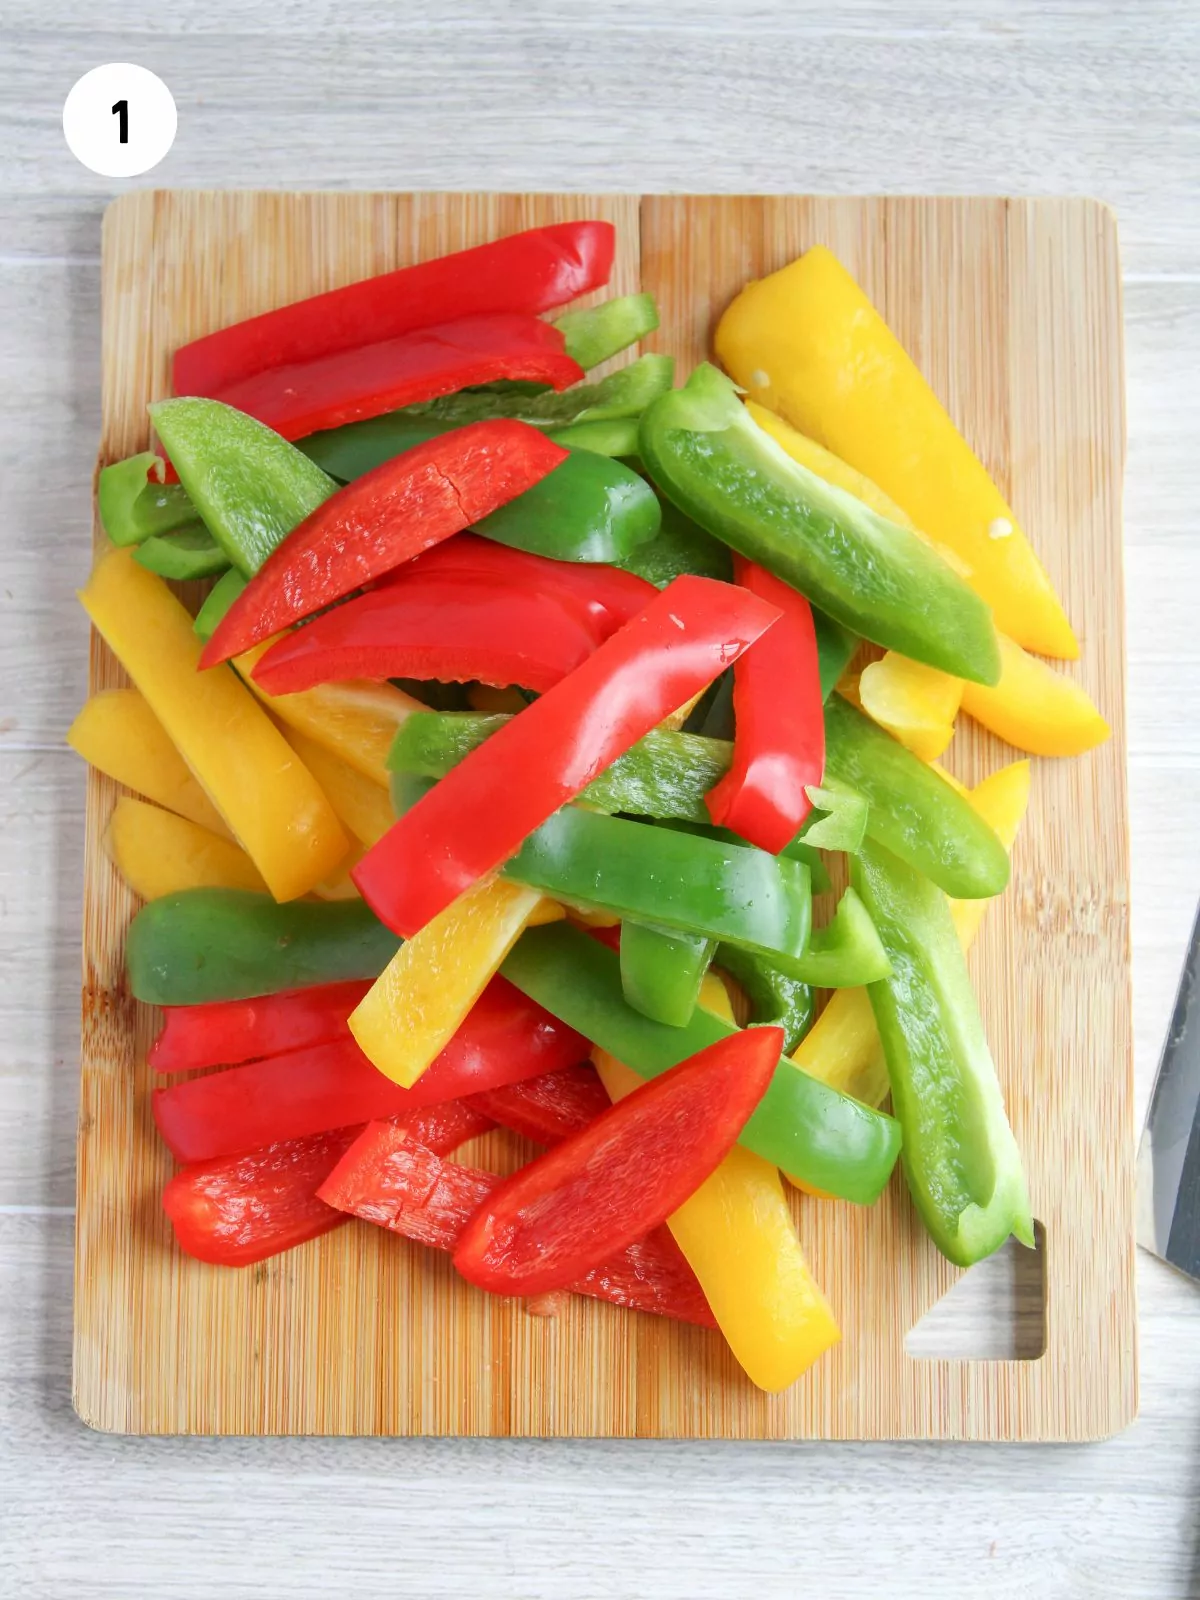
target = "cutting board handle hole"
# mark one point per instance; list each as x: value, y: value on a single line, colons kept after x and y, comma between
x: 995, y: 1312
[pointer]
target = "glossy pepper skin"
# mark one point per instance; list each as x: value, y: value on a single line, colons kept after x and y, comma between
x: 807, y: 343
x: 391, y: 1180
x: 961, y: 1160
x: 349, y: 385
x: 662, y: 970
x: 236, y: 1210
x: 475, y: 819
x: 829, y: 1141
x: 590, y: 508
x: 533, y: 271
x: 776, y: 997
x: 846, y: 953
x: 271, y: 803
x: 134, y: 502
x: 158, y: 853
x: 879, y: 580
x: 779, y: 739
x: 380, y: 521
x: 226, y: 944
x: 227, y: 1032
x: 598, y: 1191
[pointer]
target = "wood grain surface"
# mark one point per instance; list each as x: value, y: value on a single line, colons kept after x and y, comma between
x: 1013, y: 310
x: 992, y: 96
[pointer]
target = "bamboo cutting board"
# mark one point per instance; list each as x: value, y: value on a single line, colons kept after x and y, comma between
x: 1012, y: 309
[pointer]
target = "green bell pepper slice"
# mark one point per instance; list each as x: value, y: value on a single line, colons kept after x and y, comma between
x: 845, y: 954
x: 798, y: 850
x: 133, y: 507
x: 705, y: 452
x: 590, y: 508
x: 250, y: 486
x: 814, y: 1133
x: 679, y: 547
x: 188, y: 552
x: 961, y: 1160
x: 777, y: 999
x: 838, y: 820
x: 597, y: 333
x: 617, y: 436
x: 232, y: 944
x: 217, y: 602
x: 662, y: 970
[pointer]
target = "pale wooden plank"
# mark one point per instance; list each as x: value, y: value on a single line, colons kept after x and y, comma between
x: 947, y: 98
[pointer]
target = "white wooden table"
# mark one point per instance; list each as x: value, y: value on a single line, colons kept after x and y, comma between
x: 1028, y: 96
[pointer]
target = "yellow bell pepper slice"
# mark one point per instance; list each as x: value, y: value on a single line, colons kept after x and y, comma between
x: 119, y: 735
x: 1036, y: 708
x: 826, y: 465
x: 158, y: 852
x: 362, y: 806
x: 416, y: 1005
x: 806, y: 343
x: 842, y: 1048
x: 269, y: 800
x: 739, y: 1238
x: 915, y: 703
x: 355, y: 720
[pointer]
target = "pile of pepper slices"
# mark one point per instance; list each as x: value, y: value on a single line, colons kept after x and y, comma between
x: 496, y: 773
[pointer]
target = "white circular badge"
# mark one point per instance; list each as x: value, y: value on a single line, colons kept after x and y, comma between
x: 120, y: 120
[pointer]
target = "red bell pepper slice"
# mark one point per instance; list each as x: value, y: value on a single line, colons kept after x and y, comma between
x: 622, y: 1175
x: 455, y: 629
x: 478, y: 815
x: 531, y: 272
x: 505, y: 1037
x: 392, y: 1180
x: 604, y: 598
x: 224, y: 1033
x: 548, y: 1108
x: 382, y: 519
x: 779, y: 722
x: 240, y: 1209
x: 351, y: 385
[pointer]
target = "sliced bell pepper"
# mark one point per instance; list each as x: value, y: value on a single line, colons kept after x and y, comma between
x: 961, y: 1160
x: 382, y: 520
x: 779, y: 742
x: 225, y: 1033
x: 602, y: 597
x: 217, y: 602
x: 547, y: 1108
x: 737, y: 1234
x: 355, y: 721
x: 912, y: 809
x: 454, y: 629
x: 590, y: 508
x: 134, y: 502
x: 662, y: 970
x: 359, y: 447
x: 600, y: 1190
x: 802, y: 1126
x: 531, y: 272
x: 681, y: 880
x: 309, y: 396
x: 363, y: 807
x: 118, y: 733
x: 157, y: 853
x: 272, y: 803
x: 331, y: 1084
x: 474, y: 819
x: 843, y: 1048
x: 832, y: 468
x: 401, y: 1185
x: 616, y: 437
x: 916, y: 704
x: 188, y: 553
x: 847, y: 952
x: 250, y: 486
x: 877, y: 579
x: 808, y: 344
x: 774, y: 996
x: 597, y: 333
x: 1036, y: 708
x: 434, y: 979
x: 240, y: 1209
x: 224, y: 944
x: 679, y: 547
x: 838, y: 820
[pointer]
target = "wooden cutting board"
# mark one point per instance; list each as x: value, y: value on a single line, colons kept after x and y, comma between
x: 1013, y: 310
